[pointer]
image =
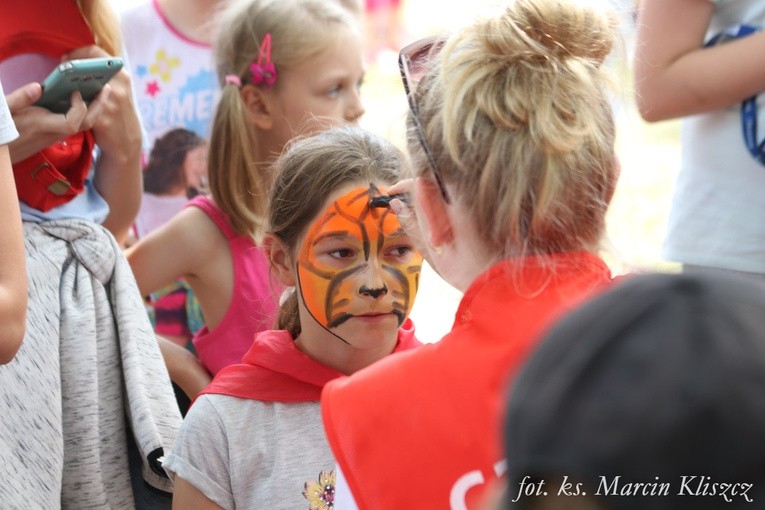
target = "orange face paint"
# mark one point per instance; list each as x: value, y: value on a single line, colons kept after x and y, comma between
x: 357, y: 262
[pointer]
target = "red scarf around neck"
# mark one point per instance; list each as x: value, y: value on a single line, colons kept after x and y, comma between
x: 274, y: 370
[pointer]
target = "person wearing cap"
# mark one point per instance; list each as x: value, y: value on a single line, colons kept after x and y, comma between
x: 648, y: 396
x: 511, y: 133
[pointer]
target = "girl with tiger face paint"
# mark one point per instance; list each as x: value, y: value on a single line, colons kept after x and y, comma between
x: 354, y: 270
x: 355, y: 275
x: 356, y: 267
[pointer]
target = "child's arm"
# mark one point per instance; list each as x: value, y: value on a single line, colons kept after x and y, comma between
x: 675, y: 76
x: 186, y: 496
x: 184, y: 368
x: 13, y: 274
x: 179, y: 248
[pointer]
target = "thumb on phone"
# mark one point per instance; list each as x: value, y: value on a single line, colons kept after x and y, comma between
x: 23, y: 97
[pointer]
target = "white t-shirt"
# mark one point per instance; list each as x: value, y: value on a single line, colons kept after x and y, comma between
x: 8, y: 131
x: 156, y: 210
x: 245, y: 453
x: 717, y: 217
x: 173, y: 77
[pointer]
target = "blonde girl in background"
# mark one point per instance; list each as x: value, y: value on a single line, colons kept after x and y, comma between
x: 286, y: 68
x: 254, y: 438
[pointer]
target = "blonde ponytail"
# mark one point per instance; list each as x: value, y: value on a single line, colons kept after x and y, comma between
x: 237, y: 183
x: 289, y: 316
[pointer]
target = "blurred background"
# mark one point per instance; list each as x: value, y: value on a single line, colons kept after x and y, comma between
x: 649, y: 153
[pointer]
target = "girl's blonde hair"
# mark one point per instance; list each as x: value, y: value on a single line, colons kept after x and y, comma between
x: 103, y: 23
x: 517, y: 114
x: 313, y: 169
x: 300, y: 30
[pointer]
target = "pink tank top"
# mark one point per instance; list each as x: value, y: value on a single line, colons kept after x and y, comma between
x: 254, y: 301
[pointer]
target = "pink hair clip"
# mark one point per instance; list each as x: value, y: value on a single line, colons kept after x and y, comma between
x: 264, y: 71
x: 233, y: 80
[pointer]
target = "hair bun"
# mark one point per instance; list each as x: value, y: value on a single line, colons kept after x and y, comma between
x: 558, y: 29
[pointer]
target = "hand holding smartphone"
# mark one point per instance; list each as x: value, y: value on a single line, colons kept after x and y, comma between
x: 88, y: 76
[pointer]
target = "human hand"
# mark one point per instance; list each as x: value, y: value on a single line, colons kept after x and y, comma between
x: 116, y: 127
x: 40, y: 128
x: 117, y: 134
x: 406, y: 213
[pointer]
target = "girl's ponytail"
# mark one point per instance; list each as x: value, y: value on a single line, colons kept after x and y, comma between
x: 236, y: 183
x: 289, y: 317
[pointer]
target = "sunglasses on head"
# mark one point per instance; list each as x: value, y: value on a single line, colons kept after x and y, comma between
x: 413, y: 61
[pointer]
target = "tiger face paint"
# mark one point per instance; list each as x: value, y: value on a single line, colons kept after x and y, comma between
x: 357, y: 265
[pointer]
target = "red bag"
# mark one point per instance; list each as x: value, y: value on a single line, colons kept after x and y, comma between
x: 55, y: 175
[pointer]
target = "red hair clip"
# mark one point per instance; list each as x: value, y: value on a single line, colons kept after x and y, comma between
x: 264, y: 71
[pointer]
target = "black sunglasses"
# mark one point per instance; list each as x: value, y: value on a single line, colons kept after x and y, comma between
x: 413, y: 62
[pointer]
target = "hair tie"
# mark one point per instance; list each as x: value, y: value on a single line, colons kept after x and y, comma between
x: 264, y: 71
x: 233, y: 80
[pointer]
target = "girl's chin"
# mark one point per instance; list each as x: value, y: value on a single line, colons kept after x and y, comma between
x: 369, y: 332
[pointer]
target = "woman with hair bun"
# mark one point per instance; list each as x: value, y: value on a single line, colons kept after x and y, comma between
x: 511, y: 134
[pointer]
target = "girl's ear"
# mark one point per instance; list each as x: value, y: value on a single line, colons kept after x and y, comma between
x: 257, y: 103
x: 281, y: 261
x: 434, y: 209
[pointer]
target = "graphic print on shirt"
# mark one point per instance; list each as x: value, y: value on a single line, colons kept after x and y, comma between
x: 166, y: 101
x: 321, y: 494
x: 356, y: 250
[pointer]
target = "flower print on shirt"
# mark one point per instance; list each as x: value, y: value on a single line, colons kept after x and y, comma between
x: 163, y: 65
x: 321, y: 495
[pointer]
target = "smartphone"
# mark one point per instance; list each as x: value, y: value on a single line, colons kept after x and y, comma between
x: 88, y: 75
